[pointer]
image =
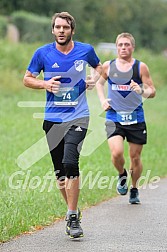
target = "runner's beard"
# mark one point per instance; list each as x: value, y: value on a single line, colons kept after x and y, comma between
x: 65, y: 42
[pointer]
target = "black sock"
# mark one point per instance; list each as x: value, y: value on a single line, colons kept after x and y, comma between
x: 124, y: 177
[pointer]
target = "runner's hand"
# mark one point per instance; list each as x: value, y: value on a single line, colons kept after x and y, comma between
x: 90, y: 82
x: 53, y: 85
x: 135, y: 87
x: 105, y: 104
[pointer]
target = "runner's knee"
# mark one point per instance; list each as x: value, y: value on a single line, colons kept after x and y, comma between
x: 71, y: 170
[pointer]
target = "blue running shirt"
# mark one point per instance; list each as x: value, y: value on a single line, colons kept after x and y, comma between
x: 126, y: 105
x: 70, y: 102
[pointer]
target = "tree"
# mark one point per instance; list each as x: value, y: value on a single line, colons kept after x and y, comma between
x: 99, y: 20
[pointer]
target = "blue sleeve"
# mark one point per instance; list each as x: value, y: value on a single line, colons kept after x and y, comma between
x: 93, y: 59
x: 36, y: 63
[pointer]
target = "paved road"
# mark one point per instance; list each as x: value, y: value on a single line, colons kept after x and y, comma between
x: 113, y: 225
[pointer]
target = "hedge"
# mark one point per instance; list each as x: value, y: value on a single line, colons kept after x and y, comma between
x: 32, y: 28
x: 3, y: 26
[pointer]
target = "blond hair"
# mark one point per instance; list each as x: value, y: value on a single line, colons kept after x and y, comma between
x: 126, y: 35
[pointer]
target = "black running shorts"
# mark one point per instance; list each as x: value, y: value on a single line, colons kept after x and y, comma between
x: 65, y: 141
x: 134, y: 133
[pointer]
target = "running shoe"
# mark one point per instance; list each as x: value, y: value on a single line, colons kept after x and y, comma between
x: 122, y: 187
x: 73, y: 227
x: 79, y: 214
x: 134, y: 196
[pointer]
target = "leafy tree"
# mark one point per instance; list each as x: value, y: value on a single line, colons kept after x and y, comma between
x: 102, y: 20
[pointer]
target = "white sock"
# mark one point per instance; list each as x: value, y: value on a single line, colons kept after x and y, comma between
x: 69, y: 212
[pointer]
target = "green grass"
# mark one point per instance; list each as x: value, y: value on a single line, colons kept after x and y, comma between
x: 26, y: 202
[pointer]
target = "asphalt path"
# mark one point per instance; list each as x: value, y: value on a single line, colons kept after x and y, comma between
x: 113, y: 225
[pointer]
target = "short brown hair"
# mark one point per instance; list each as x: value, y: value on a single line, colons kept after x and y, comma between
x: 64, y: 15
x: 126, y: 35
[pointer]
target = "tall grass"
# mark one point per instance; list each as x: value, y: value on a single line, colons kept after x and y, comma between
x: 31, y: 199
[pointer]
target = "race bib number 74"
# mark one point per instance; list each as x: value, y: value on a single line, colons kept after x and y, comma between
x: 67, y: 96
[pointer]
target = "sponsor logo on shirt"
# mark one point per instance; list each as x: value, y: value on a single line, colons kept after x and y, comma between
x: 121, y: 87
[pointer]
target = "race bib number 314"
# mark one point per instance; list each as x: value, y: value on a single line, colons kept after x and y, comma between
x: 127, y: 118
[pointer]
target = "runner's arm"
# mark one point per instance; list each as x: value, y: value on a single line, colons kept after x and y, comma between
x: 32, y: 81
x: 100, y: 87
x: 95, y: 74
x: 148, y: 89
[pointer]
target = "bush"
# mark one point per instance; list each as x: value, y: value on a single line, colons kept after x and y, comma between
x: 3, y: 26
x: 32, y: 27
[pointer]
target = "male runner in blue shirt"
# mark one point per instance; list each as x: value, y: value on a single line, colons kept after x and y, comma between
x: 63, y: 63
x: 128, y: 81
